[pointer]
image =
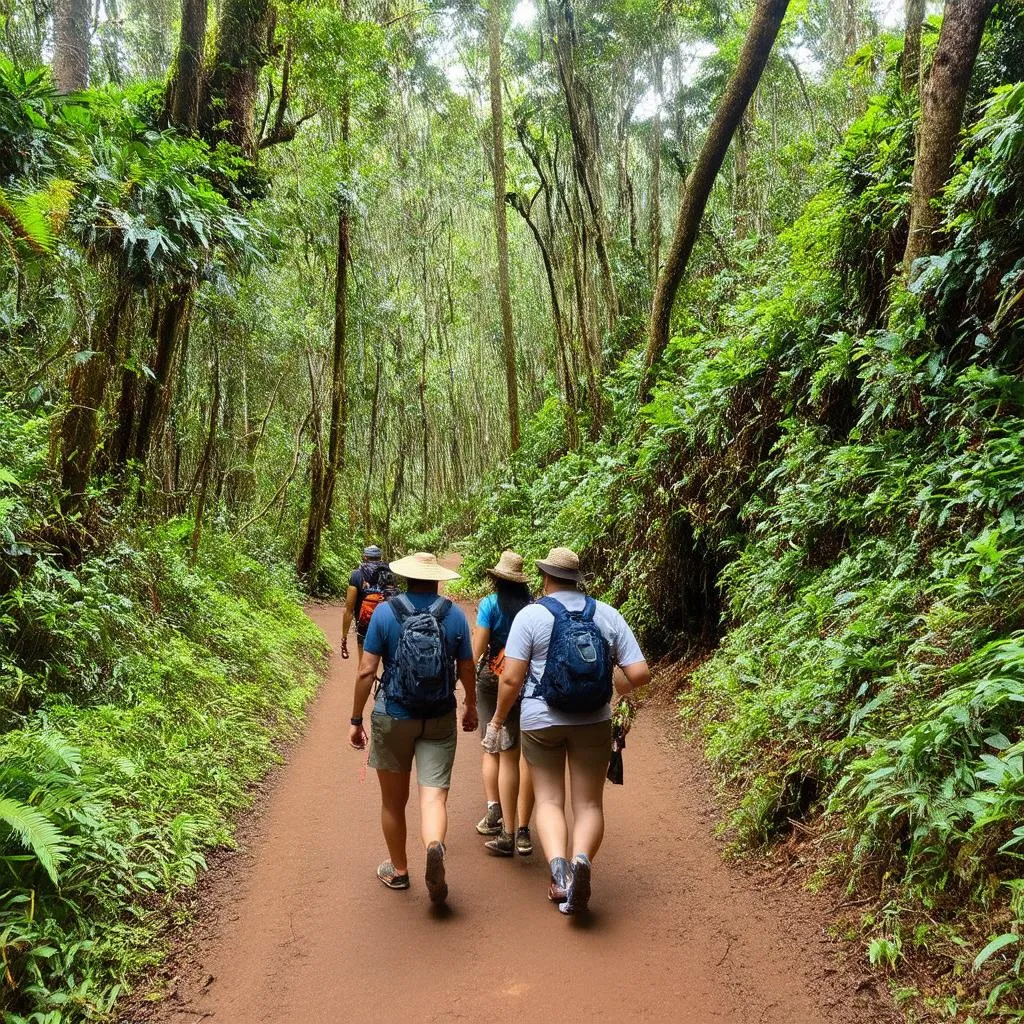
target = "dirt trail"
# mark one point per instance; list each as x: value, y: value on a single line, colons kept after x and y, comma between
x: 301, y: 932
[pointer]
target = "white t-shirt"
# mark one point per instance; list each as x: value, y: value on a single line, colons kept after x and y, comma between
x: 528, y: 641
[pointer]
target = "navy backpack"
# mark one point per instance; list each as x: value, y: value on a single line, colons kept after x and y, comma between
x: 578, y: 674
x: 422, y: 678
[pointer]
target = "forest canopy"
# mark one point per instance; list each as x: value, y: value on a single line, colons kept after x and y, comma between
x: 725, y: 294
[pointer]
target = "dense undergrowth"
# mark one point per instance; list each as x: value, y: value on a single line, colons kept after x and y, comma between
x: 826, y: 490
x: 141, y: 695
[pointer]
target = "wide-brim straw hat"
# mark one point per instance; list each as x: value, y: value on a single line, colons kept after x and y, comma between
x: 422, y: 566
x: 561, y: 563
x: 509, y: 567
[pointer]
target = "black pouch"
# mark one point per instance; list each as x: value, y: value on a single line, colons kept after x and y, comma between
x: 615, y: 764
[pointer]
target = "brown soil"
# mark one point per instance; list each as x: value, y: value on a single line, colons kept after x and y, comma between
x: 296, y: 929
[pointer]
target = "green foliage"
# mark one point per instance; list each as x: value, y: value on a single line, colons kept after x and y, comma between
x: 839, y: 464
x: 153, y: 692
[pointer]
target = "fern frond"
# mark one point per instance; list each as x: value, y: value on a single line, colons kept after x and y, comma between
x: 37, y: 833
x: 26, y: 219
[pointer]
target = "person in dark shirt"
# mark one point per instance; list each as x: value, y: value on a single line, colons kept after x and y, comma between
x: 370, y: 584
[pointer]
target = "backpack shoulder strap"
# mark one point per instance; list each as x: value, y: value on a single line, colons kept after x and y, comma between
x: 554, y: 606
x: 589, y: 609
x: 440, y: 608
x: 402, y: 607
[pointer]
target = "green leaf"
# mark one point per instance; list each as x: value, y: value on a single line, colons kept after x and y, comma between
x: 998, y: 943
x: 36, y: 832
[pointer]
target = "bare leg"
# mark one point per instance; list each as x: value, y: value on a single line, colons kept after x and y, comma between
x: 587, y: 795
x: 490, y: 774
x: 526, y: 798
x: 394, y: 795
x: 508, y: 786
x: 433, y: 814
x: 549, y: 786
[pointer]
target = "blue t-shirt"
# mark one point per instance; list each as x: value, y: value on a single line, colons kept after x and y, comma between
x: 382, y: 639
x: 490, y: 616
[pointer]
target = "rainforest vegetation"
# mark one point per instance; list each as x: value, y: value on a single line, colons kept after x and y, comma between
x: 728, y: 295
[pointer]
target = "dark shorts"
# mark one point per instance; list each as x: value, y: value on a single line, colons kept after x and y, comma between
x: 396, y: 742
x: 487, y: 704
x: 589, y: 746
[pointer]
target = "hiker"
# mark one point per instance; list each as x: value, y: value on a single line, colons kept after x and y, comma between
x: 560, y: 653
x: 501, y: 771
x: 368, y: 586
x: 424, y: 642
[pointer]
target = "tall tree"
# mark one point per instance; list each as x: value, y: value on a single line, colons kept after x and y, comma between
x: 244, y: 37
x: 943, y: 100
x: 185, y: 85
x: 757, y: 47
x: 500, y: 220
x: 71, y: 44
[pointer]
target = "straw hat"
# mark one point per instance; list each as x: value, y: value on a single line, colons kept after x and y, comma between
x: 422, y: 566
x: 509, y: 567
x: 561, y: 563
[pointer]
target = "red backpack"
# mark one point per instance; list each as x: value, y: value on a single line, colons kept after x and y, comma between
x: 376, y: 585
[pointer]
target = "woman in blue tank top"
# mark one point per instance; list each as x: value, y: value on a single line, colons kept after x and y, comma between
x: 504, y: 784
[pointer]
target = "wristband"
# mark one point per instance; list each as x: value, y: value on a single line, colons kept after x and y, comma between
x: 356, y: 720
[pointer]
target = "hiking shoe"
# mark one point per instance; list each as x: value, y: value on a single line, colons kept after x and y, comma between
x: 491, y: 823
x: 561, y: 876
x: 391, y: 878
x: 524, y: 844
x: 502, y: 846
x: 436, y: 884
x: 577, y: 894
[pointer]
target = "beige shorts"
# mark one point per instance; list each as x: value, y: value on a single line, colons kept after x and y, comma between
x: 396, y: 742
x: 589, y: 746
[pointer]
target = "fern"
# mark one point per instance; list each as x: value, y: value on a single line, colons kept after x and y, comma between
x: 37, y: 833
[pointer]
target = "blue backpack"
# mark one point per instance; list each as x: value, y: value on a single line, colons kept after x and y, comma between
x: 578, y: 673
x: 422, y: 677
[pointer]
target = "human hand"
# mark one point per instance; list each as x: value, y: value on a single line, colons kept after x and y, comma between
x: 344, y: 649
x: 357, y: 737
x: 470, y: 719
x: 491, y: 739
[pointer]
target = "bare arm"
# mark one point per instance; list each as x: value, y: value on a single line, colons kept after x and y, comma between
x: 467, y: 676
x: 481, y: 641
x: 364, y: 684
x: 632, y: 677
x: 350, y: 611
x: 513, y: 678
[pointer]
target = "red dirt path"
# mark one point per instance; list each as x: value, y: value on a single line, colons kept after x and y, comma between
x: 301, y: 932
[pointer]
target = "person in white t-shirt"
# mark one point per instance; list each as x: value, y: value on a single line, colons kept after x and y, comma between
x: 552, y: 737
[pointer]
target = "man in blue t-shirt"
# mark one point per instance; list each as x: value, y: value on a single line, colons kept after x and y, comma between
x: 400, y: 734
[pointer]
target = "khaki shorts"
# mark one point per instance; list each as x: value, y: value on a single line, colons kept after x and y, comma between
x: 396, y: 742
x: 487, y: 704
x: 589, y: 746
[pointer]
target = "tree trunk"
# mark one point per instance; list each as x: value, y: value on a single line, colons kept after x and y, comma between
x: 71, y: 45
x: 585, y: 139
x: 211, y: 437
x: 656, y: 137
x: 87, y: 388
x: 185, y: 86
x: 911, y: 66
x: 339, y: 361
x: 243, y: 49
x: 309, y: 556
x: 171, y: 319
x: 943, y: 99
x: 500, y: 221
x: 764, y: 28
